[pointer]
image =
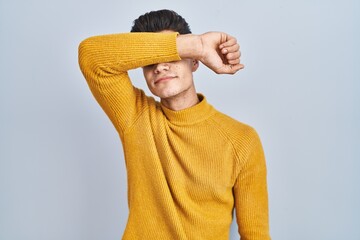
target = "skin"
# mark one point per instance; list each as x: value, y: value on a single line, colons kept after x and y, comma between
x: 173, y: 82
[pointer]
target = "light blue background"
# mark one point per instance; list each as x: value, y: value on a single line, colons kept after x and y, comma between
x: 62, y: 171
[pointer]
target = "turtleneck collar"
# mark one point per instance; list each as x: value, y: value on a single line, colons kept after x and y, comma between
x: 191, y: 115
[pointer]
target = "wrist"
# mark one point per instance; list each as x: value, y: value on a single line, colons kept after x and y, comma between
x: 189, y: 46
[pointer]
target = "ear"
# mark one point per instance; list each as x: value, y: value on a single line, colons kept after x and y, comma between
x: 194, y: 64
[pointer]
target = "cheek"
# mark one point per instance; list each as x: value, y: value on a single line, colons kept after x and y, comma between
x: 186, y: 73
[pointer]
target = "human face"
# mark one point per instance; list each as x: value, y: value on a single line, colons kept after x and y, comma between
x: 171, y: 79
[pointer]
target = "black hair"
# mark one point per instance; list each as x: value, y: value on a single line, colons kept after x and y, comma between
x: 156, y: 21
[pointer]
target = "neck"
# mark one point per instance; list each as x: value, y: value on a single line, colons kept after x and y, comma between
x: 181, y: 101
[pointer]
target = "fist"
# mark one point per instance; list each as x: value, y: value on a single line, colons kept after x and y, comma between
x: 220, y: 52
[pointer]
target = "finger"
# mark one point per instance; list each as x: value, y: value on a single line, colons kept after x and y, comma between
x: 229, y: 42
x: 234, y: 62
x: 230, y: 69
x: 233, y: 48
x: 234, y: 68
x: 232, y: 56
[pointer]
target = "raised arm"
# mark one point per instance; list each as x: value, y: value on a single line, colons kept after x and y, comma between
x: 104, y: 61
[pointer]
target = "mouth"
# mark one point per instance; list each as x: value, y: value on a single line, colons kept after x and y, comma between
x: 164, y: 79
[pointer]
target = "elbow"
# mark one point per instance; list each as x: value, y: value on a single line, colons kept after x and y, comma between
x: 92, y: 58
x: 88, y: 57
x: 84, y: 54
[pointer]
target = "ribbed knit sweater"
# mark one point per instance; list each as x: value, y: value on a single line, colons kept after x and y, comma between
x: 186, y: 169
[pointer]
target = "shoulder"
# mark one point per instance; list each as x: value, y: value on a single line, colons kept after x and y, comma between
x: 234, y: 129
x: 243, y: 137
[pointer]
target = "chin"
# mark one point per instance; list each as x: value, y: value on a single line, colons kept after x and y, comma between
x: 167, y: 93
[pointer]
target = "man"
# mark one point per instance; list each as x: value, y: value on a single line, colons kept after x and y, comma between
x: 188, y: 165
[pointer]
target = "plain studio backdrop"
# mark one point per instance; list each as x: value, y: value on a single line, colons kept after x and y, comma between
x: 62, y: 171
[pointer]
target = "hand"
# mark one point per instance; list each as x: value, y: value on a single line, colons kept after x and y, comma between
x: 220, y: 52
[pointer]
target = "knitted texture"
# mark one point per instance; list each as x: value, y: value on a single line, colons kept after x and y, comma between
x: 187, y: 169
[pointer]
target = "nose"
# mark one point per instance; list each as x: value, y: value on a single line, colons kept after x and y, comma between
x: 160, y: 67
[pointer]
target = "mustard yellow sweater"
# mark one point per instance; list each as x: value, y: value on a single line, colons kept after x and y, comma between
x: 187, y: 169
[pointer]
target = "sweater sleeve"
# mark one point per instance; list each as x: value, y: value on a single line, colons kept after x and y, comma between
x: 105, y: 60
x: 251, y: 197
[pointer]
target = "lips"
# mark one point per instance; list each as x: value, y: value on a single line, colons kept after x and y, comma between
x: 164, y: 79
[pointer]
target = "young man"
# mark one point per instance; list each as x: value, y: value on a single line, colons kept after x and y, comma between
x: 188, y: 165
